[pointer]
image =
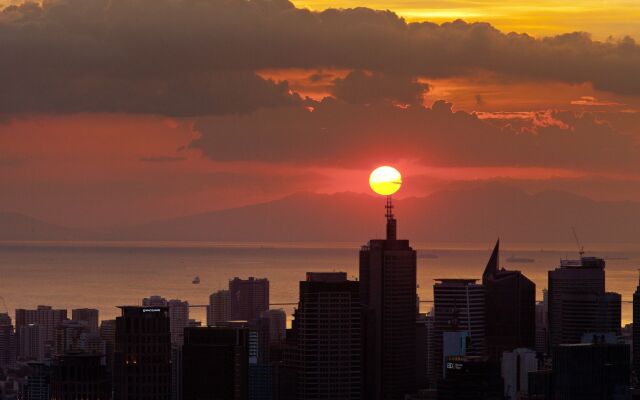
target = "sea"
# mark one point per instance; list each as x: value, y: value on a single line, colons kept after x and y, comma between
x: 105, y: 275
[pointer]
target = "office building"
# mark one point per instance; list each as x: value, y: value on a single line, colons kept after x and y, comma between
x: 154, y: 301
x: 89, y: 316
x: 46, y: 318
x: 328, y: 328
x: 31, y: 343
x: 218, y: 311
x: 459, y: 317
x: 277, y: 325
x: 470, y: 378
x: 215, y: 363
x: 79, y: 377
x: 516, y: 366
x: 388, y: 295
x: 108, y: 336
x: 510, y: 303
x: 248, y: 298
x: 37, y: 382
x: 542, y: 324
x: 578, y: 302
x: 178, y: 320
x: 8, y: 343
x: 590, y: 371
x: 142, y: 356
x: 636, y: 330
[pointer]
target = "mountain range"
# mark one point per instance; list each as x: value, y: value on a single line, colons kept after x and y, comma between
x: 469, y: 215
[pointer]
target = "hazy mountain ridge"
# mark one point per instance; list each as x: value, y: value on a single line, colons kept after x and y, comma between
x: 479, y: 214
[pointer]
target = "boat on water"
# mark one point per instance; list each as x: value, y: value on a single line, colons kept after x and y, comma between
x: 515, y: 259
x: 196, y: 280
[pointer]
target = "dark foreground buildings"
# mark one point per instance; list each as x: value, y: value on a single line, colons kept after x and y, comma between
x: 510, y: 299
x: 388, y: 294
x: 79, y: 376
x: 142, y: 356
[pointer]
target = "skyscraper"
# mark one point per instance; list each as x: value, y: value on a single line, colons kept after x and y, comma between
x: 46, y: 319
x: 142, y: 357
x: 578, y: 303
x: 328, y: 327
x: 636, y: 330
x: 218, y: 310
x: 510, y: 308
x: 248, y: 298
x: 277, y: 324
x: 89, y: 316
x: 458, y: 306
x: 178, y: 320
x: 79, y: 376
x: 8, y: 345
x: 542, y: 323
x: 388, y: 294
x: 215, y: 363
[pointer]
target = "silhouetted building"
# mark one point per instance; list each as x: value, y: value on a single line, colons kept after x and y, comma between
x: 215, y: 363
x: 470, y: 378
x: 248, y: 298
x: 328, y: 327
x: 578, y: 302
x: 89, y: 316
x: 542, y: 324
x: 142, y: 357
x: 46, y: 319
x: 178, y: 320
x: 277, y: 325
x: 596, y: 371
x: 8, y: 343
x: 79, y: 377
x: 516, y: 366
x: 37, y: 381
x: 108, y: 335
x: 388, y: 294
x: 636, y: 330
x: 31, y: 344
x: 459, y: 306
x: 76, y: 337
x: 218, y: 310
x: 510, y: 301
x: 424, y: 327
x: 154, y: 301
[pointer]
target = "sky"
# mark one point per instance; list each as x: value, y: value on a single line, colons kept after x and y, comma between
x: 116, y: 112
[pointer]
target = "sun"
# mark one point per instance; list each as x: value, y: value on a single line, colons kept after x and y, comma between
x: 385, y: 180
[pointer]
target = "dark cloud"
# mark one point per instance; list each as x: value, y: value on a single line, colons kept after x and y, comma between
x: 337, y: 133
x: 360, y: 87
x: 182, y: 57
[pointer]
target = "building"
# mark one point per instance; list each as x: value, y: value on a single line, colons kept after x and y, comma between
x: 31, y: 344
x: 388, y: 295
x: 470, y: 378
x: 516, y: 366
x: 142, y: 356
x: 542, y: 324
x: 154, y: 301
x: 70, y: 337
x: 590, y: 371
x: 218, y: 310
x: 8, y: 344
x: 37, y: 383
x: 178, y: 320
x: 578, y: 302
x: 108, y: 336
x: 277, y: 325
x: 215, y: 363
x: 79, y: 376
x: 510, y: 304
x: 636, y: 330
x: 328, y: 328
x: 248, y: 298
x: 459, y: 306
x: 89, y: 316
x: 46, y: 318
x: 424, y: 328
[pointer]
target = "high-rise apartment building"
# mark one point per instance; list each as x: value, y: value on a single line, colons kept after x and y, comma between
x: 89, y: 316
x: 248, y: 298
x: 388, y: 295
x: 277, y: 325
x: 636, y: 330
x: 8, y: 343
x: 218, y: 311
x: 459, y: 306
x: 79, y: 376
x: 142, y: 357
x: 510, y: 302
x: 46, y: 318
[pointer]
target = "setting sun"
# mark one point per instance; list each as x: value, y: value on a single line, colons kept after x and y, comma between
x: 385, y: 180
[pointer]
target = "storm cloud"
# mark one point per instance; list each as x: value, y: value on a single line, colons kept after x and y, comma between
x: 192, y: 57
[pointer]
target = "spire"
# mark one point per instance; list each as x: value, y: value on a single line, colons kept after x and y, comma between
x: 493, y: 264
x: 391, y: 220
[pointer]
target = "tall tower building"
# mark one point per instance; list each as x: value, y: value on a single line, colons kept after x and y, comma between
x: 636, y: 330
x: 459, y: 315
x: 510, y: 299
x: 79, y: 376
x: 218, y: 310
x: 178, y: 320
x: 142, y: 358
x: 248, y: 298
x: 542, y: 324
x: 578, y: 303
x: 277, y: 325
x: 46, y: 319
x: 327, y: 324
x: 8, y: 345
x: 87, y: 315
x: 388, y: 294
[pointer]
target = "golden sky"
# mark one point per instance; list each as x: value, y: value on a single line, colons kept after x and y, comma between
x: 602, y: 18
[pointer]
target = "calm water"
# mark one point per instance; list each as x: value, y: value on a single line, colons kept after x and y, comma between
x: 104, y: 275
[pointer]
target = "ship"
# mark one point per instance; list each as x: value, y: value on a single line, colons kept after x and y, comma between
x: 196, y: 280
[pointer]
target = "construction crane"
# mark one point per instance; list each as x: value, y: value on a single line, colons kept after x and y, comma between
x: 580, y: 247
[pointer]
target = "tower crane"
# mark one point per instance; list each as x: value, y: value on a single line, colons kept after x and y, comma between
x: 580, y: 247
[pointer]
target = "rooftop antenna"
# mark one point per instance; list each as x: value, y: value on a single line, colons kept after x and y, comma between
x: 580, y: 247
